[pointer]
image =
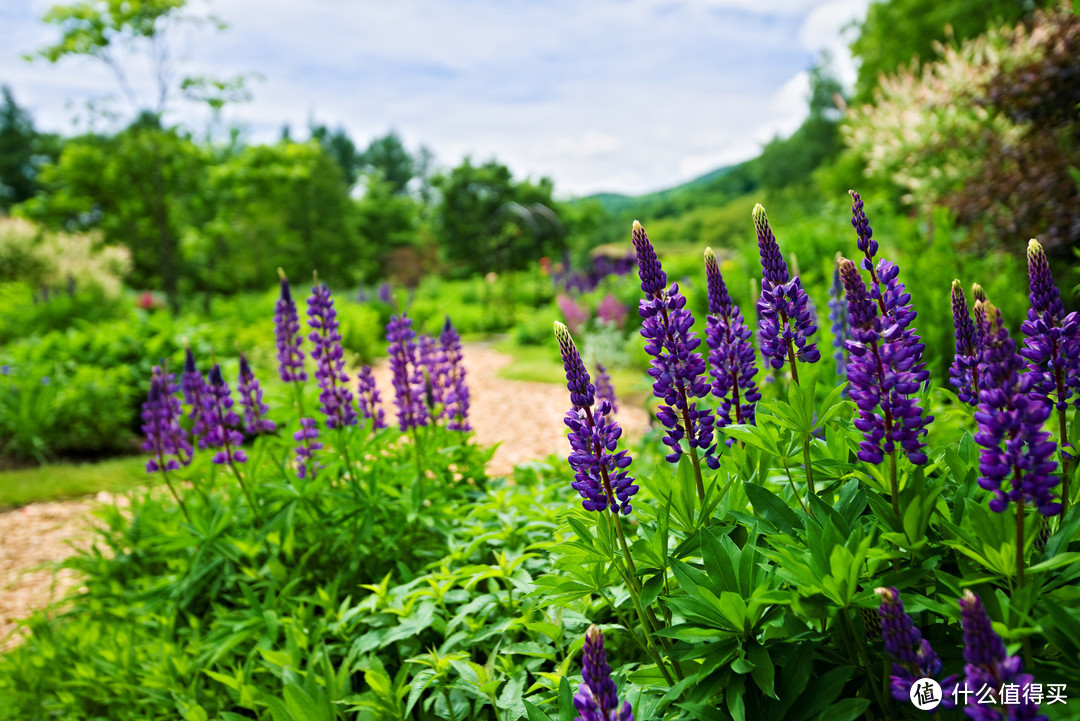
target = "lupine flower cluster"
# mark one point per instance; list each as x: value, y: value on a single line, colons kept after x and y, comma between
x: 880, y: 376
x: 221, y: 421
x: 913, y: 657
x: 597, y: 698
x: 287, y: 335
x: 964, y: 370
x: 161, y: 413
x: 677, y: 369
x: 306, y: 437
x: 255, y: 420
x: 408, y: 374
x: 193, y: 386
x: 605, y: 391
x: 1053, y: 338
x: 335, y: 396
x: 786, y: 317
x: 600, y: 475
x: 1010, y: 414
x: 988, y: 666
x: 886, y: 289
x: 453, y: 391
x: 731, y: 354
x: 370, y: 400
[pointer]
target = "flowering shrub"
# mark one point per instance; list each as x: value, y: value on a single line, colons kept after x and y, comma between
x: 337, y: 568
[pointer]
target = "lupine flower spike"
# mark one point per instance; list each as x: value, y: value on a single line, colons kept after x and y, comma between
x: 881, y: 383
x: 838, y: 315
x: 306, y: 438
x: 194, y: 388
x: 597, y: 698
x: 369, y: 398
x: 430, y: 358
x: 287, y: 335
x: 913, y: 657
x: 1052, y: 348
x: 886, y: 290
x: 165, y: 439
x: 964, y: 370
x: 600, y: 475
x: 221, y: 421
x: 605, y: 391
x: 731, y: 354
x: 408, y: 375
x: 786, y: 320
x: 677, y: 369
x: 335, y: 396
x: 989, y: 669
x: 1010, y: 419
x: 255, y: 420
x: 454, y: 390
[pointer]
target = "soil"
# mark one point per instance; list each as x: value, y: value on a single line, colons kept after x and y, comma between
x: 524, y: 418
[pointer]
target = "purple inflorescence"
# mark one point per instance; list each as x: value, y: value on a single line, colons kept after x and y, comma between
x: 255, y: 421
x: 964, y: 371
x: 221, y: 421
x: 838, y: 314
x: 887, y: 291
x: 988, y: 666
x: 161, y: 424
x: 454, y: 391
x: 408, y: 374
x: 329, y: 356
x: 880, y: 377
x: 787, y: 320
x: 605, y: 391
x: 369, y: 398
x: 731, y: 354
x: 677, y: 370
x: 287, y: 335
x: 600, y: 474
x: 306, y: 437
x: 597, y: 698
x: 913, y: 657
x: 1010, y: 418
x: 194, y: 388
x: 1053, y: 338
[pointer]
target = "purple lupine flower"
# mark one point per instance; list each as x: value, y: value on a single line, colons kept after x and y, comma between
x: 677, y: 370
x: 880, y: 377
x: 454, y: 390
x: 1052, y: 346
x: 964, y: 370
x: 194, y: 388
x: 1010, y: 414
x: 990, y: 667
x: 408, y: 375
x: 255, y: 420
x: 161, y: 424
x: 430, y: 358
x: 597, y: 698
x: 287, y: 335
x: 306, y: 437
x: 913, y: 657
x: 731, y: 355
x: 605, y: 391
x: 786, y: 320
x: 838, y: 314
x: 886, y: 290
x: 335, y: 396
x: 386, y: 293
x: 600, y: 475
x: 369, y: 398
x: 221, y: 421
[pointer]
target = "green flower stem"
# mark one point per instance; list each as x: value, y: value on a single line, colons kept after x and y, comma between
x: 693, y: 451
x: 240, y: 478
x: 809, y: 466
x: 165, y: 475
x: 795, y: 490
x: 1019, y: 538
x: 860, y: 645
x: 1063, y: 434
x: 894, y: 485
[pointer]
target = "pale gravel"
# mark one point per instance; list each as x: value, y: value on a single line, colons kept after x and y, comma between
x: 525, y: 418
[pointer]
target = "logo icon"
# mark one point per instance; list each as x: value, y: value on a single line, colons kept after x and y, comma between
x: 925, y: 694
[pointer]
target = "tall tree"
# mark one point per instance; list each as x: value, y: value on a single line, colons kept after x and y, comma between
x: 17, y: 141
x: 342, y: 149
x: 387, y: 157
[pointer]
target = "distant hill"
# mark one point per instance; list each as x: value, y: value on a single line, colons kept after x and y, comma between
x: 698, y: 189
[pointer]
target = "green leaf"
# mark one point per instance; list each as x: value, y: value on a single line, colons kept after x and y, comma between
x: 651, y: 589
x: 763, y: 672
x: 533, y: 713
x: 567, y: 712
x: 771, y: 507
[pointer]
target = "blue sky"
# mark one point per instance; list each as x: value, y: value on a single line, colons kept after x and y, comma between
x: 600, y: 95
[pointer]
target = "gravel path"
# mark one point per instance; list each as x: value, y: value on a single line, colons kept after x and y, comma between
x: 525, y: 418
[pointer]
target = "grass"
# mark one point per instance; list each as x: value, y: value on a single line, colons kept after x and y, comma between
x: 56, y: 481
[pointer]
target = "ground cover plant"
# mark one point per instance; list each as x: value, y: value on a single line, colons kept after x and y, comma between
x: 813, y: 528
